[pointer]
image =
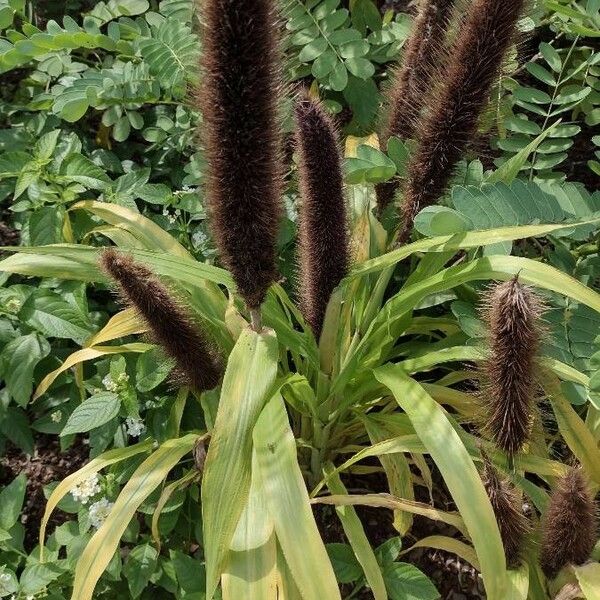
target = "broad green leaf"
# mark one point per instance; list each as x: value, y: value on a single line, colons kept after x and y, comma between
x: 37, y: 576
x: 151, y: 369
x: 11, y: 501
x: 288, y: 504
x: 94, y: 466
x: 459, y: 473
x: 53, y: 316
x: 250, y: 374
x: 93, y: 412
x: 19, y: 359
x: 139, y: 568
x: 146, y: 478
x: 406, y: 582
x: 345, y: 566
x: 82, y: 170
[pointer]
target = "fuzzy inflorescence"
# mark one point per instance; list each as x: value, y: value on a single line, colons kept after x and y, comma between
x: 474, y: 63
x: 407, y: 92
x: 508, y: 509
x: 513, y: 315
x: 198, y: 364
x: 322, y: 235
x: 238, y: 97
x: 570, y: 526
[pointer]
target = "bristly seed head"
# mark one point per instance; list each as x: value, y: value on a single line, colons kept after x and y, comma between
x: 570, y: 525
x: 409, y: 86
x: 198, y: 364
x: 238, y: 97
x: 513, y: 315
x: 508, y: 509
x: 475, y: 61
x: 323, y: 235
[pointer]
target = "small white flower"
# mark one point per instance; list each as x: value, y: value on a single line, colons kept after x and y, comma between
x: 135, y: 427
x: 186, y: 188
x: 13, y: 305
x: 177, y: 212
x: 4, y: 577
x: 122, y: 378
x: 30, y: 597
x: 86, y: 489
x: 99, y: 511
x: 56, y: 416
x: 172, y: 219
x: 109, y: 384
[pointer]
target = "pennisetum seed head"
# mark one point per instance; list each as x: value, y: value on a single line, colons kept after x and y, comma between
x: 474, y: 63
x: 508, y: 509
x: 239, y: 97
x: 570, y: 526
x: 323, y: 234
x: 198, y: 364
x: 409, y: 85
x: 513, y: 315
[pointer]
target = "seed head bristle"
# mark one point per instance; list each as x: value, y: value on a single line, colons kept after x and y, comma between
x: 513, y: 315
x: 508, y: 508
x: 238, y: 97
x: 474, y: 63
x: 323, y: 234
x: 570, y: 526
x: 407, y: 92
x: 198, y: 365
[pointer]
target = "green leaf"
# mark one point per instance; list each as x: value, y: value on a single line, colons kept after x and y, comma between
x: 93, y: 412
x: 370, y: 165
x: 313, y: 50
x: 81, y: 169
x: 19, y: 359
x: 36, y: 577
x: 346, y: 567
x: 360, y: 67
x: 152, y: 368
x: 11, y: 501
x: 171, y: 53
x: 45, y: 226
x: 46, y: 145
x: 251, y: 371
x: 456, y: 466
x: 139, y: 568
x: 552, y: 56
x: 47, y: 312
x: 406, y: 582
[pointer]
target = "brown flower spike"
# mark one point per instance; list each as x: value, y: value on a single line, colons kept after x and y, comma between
x: 570, y: 527
x: 323, y: 235
x: 505, y: 501
x: 475, y: 61
x: 410, y: 82
x: 512, y: 312
x: 197, y: 363
x: 238, y: 97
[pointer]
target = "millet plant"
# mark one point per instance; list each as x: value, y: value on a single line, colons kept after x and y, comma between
x: 297, y: 388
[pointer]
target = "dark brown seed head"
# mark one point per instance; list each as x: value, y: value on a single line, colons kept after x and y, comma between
x: 410, y: 82
x: 475, y: 61
x: 239, y: 94
x: 569, y: 527
x: 197, y: 363
x: 508, y: 508
x: 512, y: 312
x: 323, y: 234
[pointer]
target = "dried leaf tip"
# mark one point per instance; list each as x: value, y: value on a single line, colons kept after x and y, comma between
x: 570, y: 526
x: 198, y: 365
x: 407, y: 92
x: 508, y: 509
x: 475, y: 61
x: 323, y: 234
x: 239, y: 98
x: 513, y: 315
